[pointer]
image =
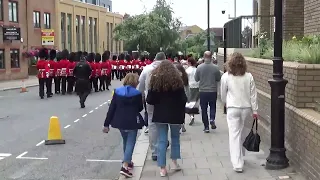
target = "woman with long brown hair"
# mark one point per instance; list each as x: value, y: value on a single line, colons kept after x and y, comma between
x: 238, y: 91
x: 166, y: 94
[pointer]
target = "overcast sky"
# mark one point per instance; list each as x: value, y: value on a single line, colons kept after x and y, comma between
x: 194, y: 12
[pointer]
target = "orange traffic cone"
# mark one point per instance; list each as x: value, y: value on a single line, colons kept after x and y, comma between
x: 23, y: 87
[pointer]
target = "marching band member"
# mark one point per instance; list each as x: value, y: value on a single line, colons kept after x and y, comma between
x: 122, y: 66
x: 90, y: 59
x: 57, y: 79
x: 106, y: 69
x: 136, y: 66
x: 63, y: 65
x: 115, y: 68
x: 43, y: 72
x: 142, y: 64
x: 70, y: 76
x: 52, y: 72
x: 98, y: 71
x: 128, y: 60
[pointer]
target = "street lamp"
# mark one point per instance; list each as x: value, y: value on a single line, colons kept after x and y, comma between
x: 208, y: 30
x: 277, y: 158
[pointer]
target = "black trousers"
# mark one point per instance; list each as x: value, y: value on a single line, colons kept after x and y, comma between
x: 103, y: 82
x: 95, y: 84
x: 83, y: 96
x: 114, y: 73
x: 49, y: 85
x: 63, y: 84
x: 71, y: 82
x: 43, y: 82
x: 57, y: 85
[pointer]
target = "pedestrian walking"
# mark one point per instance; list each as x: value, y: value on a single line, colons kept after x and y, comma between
x: 43, y: 72
x: 193, y: 85
x: 166, y: 93
x: 185, y: 80
x: 82, y: 72
x: 208, y: 75
x: 143, y: 87
x: 239, y: 93
x: 129, y: 100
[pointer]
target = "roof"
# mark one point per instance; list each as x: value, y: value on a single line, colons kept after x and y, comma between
x: 190, y: 35
x: 217, y: 31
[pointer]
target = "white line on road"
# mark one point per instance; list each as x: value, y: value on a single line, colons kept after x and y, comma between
x: 5, y: 154
x: 91, y: 111
x: 100, y: 160
x: 105, y: 102
x: 40, y: 143
x: 34, y: 158
x: 76, y: 120
x: 2, y: 158
x: 67, y: 126
x: 101, y: 105
x: 84, y: 115
x: 97, y: 108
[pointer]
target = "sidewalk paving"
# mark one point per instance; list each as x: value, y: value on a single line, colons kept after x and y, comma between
x: 17, y: 84
x: 206, y: 157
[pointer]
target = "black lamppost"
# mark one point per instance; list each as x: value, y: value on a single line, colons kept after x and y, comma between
x: 277, y: 158
x: 225, y: 56
x: 208, y: 30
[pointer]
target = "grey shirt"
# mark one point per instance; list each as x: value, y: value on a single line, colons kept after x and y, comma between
x: 208, y: 75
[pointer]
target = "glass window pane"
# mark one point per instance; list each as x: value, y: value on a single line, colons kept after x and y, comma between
x: 10, y: 11
x: 2, y: 60
x: 15, y: 12
x: 14, y: 58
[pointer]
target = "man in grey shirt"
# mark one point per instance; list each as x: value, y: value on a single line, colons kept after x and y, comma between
x: 208, y: 75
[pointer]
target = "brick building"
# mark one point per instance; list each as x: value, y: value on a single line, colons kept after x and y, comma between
x: 76, y: 25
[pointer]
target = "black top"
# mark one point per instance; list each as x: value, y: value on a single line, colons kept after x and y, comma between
x: 169, y: 107
x: 82, y: 70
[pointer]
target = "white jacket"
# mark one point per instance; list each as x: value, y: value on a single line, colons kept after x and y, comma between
x: 191, y: 71
x: 239, y: 91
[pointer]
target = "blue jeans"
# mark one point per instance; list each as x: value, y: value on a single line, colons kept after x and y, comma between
x: 163, y: 140
x: 129, y: 138
x: 208, y: 98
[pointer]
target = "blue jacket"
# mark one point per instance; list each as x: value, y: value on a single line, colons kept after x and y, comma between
x: 125, y: 108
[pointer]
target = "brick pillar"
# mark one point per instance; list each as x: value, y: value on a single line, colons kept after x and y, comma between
x: 272, y: 19
x: 264, y: 10
x: 293, y: 18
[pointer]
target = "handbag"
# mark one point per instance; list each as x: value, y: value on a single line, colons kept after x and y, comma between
x: 192, y: 108
x: 252, y: 141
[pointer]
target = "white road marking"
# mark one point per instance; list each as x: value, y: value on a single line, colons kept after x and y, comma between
x: 105, y: 102
x: 76, y: 120
x: 101, y: 105
x: 96, y: 108
x: 2, y: 158
x: 84, y: 115
x: 33, y: 158
x: 100, y: 160
x: 67, y: 126
x: 5, y: 154
x: 91, y: 111
x: 40, y: 143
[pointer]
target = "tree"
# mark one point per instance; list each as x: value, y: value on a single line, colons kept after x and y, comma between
x: 150, y: 30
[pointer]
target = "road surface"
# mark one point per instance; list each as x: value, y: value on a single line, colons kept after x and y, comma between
x: 87, y: 154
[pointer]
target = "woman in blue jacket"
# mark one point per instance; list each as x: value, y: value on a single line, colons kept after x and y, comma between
x: 124, y: 114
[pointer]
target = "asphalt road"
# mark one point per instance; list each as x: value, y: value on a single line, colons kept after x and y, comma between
x: 87, y: 154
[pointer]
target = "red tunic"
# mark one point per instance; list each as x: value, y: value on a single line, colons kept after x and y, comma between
x: 93, y: 67
x: 63, y: 65
x: 135, y: 64
x: 114, y: 65
x: 53, y: 68
x: 98, y: 69
x: 129, y: 65
x: 142, y: 64
x: 43, y: 69
x: 122, y: 65
x: 148, y: 62
x: 70, y: 68
x: 106, y: 68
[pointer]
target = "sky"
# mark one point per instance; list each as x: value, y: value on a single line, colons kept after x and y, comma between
x: 192, y: 13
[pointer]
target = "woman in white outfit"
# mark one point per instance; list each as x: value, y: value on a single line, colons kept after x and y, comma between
x: 238, y: 91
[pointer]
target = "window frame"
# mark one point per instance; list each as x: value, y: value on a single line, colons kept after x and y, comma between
x: 11, y: 3
x: 47, y: 20
x: 35, y: 23
x: 3, y: 59
x: 1, y: 10
x: 18, y: 56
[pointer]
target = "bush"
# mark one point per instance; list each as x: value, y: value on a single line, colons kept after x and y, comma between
x: 305, y: 50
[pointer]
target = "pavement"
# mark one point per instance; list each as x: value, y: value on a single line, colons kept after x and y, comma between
x: 17, y: 84
x: 206, y: 157
x: 87, y: 154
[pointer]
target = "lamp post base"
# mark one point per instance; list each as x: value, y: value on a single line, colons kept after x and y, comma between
x: 277, y: 159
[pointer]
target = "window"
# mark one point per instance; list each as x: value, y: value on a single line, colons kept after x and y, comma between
x: 69, y: 32
x: 63, y: 31
x: 36, y: 19
x: 83, y: 30
x: 109, y: 9
x: 47, y: 20
x: 1, y: 10
x: 2, y: 60
x: 95, y: 34
x: 78, y: 33
x: 108, y: 36
x: 90, y: 35
x: 111, y: 36
x: 14, y: 56
x: 13, y: 11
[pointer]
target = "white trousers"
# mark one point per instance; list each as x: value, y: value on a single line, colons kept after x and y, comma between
x: 236, y: 118
x: 153, y: 132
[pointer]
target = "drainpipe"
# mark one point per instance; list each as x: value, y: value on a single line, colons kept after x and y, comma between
x: 27, y: 27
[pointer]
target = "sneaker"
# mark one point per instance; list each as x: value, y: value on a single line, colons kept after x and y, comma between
x: 213, y: 125
x: 192, y: 121
x: 154, y: 158
x: 146, y: 131
x: 206, y: 130
x: 238, y: 170
x: 163, y: 172
x: 183, y: 129
x: 130, y: 165
x: 125, y: 172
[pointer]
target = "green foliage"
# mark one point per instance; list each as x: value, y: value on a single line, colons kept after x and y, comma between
x: 195, y: 44
x: 150, y: 30
x: 305, y: 50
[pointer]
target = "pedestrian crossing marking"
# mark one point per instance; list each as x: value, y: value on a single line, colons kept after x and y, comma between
x: 4, y: 155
